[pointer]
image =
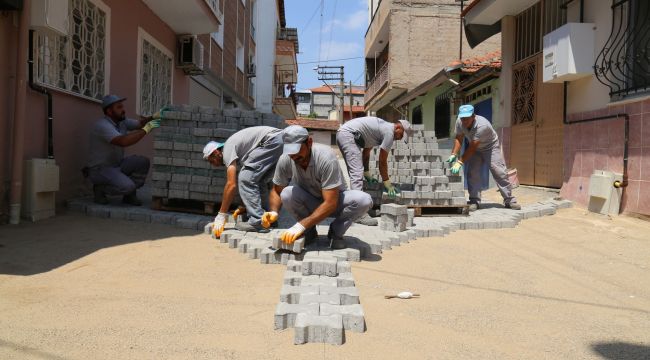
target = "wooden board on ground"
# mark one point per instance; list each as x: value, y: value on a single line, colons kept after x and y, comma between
x: 440, y: 210
x: 185, y: 206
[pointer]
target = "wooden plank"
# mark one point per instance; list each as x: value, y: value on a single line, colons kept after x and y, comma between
x: 440, y: 210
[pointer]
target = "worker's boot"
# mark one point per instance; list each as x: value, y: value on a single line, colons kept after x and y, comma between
x: 99, y: 195
x: 367, y: 220
x: 131, y: 199
x: 247, y: 227
x: 513, y: 206
x: 311, y: 235
x: 473, y: 206
x: 336, y: 243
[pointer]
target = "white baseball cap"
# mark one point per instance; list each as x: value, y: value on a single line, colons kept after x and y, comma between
x: 293, y: 137
x: 210, y: 148
x: 408, y: 129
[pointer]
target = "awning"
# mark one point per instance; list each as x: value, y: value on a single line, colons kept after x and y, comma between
x: 476, y: 34
x: 482, y: 18
x: 186, y: 17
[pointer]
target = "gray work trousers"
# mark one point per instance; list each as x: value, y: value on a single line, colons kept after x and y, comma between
x: 352, y: 205
x: 494, y: 157
x: 255, y: 176
x: 123, y: 179
x: 353, y: 158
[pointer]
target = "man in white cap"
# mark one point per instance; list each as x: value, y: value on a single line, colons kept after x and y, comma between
x: 255, y: 151
x: 366, y: 133
x: 318, y: 190
x: 483, y: 148
x: 109, y: 171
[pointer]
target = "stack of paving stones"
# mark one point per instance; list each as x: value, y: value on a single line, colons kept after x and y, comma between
x: 179, y: 170
x: 318, y: 299
x: 419, y: 170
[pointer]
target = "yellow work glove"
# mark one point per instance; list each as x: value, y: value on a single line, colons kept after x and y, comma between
x: 269, y: 218
x: 455, y: 169
x: 239, y: 211
x: 390, y: 189
x: 159, y: 114
x: 219, y: 224
x: 151, y: 125
x: 452, y: 158
x: 369, y: 178
x: 292, y: 234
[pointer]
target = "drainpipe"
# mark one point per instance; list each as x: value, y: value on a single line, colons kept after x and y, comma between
x: 19, y: 116
x: 43, y: 90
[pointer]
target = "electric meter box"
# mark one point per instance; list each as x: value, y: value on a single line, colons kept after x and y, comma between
x: 51, y: 15
x: 569, y: 52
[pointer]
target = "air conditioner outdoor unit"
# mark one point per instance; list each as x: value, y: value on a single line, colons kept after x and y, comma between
x: 569, y: 53
x: 51, y: 15
x: 251, y: 70
x: 190, y: 55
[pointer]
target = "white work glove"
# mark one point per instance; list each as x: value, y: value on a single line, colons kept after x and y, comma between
x: 292, y: 234
x: 153, y: 124
x: 219, y: 224
x: 269, y: 218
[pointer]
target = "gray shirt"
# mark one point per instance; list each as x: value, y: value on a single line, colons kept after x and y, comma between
x: 323, y: 172
x: 373, y: 130
x: 241, y: 143
x: 481, y: 131
x: 101, y: 152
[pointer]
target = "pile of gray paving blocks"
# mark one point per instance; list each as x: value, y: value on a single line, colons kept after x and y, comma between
x: 419, y: 170
x: 394, y: 217
x: 319, y: 300
x: 179, y: 170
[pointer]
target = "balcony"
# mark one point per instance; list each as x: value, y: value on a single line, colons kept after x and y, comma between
x: 286, y: 48
x: 284, y: 97
x: 380, y: 80
x: 378, y: 32
x: 187, y: 17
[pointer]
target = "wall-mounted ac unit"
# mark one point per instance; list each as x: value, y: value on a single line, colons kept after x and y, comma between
x: 51, y: 15
x: 250, y: 72
x: 190, y: 55
x: 569, y: 52
x: 11, y: 4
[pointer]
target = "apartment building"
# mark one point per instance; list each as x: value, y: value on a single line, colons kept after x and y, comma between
x: 322, y: 102
x: 408, y: 41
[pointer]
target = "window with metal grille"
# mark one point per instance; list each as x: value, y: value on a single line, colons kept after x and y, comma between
x: 76, y: 63
x: 155, y: 71
x: 533, y: 23
x: 623, y: 64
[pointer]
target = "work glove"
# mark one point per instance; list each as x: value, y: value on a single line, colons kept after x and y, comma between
x: 239, y: 211
x: 219, y: 224
x: 293, y: 233
x: 390, y: 189
x: 452, y: 158
x: 369, y: 178
x: 151, y: 125
x: 269, y: 218
x: 455, y: 169
x: 159, y: 114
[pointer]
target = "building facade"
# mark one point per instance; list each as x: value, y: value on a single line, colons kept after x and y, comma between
x: 408, y: 41
x: 325, y: 101
x: 562, y: 130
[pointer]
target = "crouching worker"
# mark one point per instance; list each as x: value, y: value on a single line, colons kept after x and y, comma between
x: 318, y: 190
x: 254, y: 151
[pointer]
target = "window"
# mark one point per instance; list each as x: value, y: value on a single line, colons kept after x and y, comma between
x: 215, y: 7
x: 416, y: 115
x: 218, y: 36
x: 240, y: 56
x: 253, y: 17
x: 77, y: 62
x: 528, y: 37
x: 155, y: 75
x: 443, y: 116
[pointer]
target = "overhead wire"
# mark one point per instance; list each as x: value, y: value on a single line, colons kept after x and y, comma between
x: 320, y: 33
x: 332, y: 22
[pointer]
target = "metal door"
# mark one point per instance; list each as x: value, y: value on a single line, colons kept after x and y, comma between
x: 524, y: 107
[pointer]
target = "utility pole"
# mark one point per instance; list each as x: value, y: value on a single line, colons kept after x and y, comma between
x: 351, y: 102
x: 328, y: 73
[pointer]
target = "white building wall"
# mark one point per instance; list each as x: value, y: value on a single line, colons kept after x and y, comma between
x: 267, y: 20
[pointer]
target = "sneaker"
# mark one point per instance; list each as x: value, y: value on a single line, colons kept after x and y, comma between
x: 513, y: 206
x: 131, y: 199
x: 100, y: 195
x: 367, y: 220
x: 245, y: 226
x: 473, y: 206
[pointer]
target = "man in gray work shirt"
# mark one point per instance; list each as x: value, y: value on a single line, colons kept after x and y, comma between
x: 318, y: 190
x: 483, y: 148
x: 366, y: 133
x: 256, y: 150
x: 109, y: 171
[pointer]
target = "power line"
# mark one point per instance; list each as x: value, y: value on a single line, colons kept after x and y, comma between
x: 329, y: 44
x: 358, y: 77
x: 320, y: 33
x: 310, y: 19
x: 329, y: 60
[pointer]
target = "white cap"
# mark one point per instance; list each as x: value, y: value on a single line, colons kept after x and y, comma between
x: 408, y: 130
x: 210, y: 148
x: 293, y: 137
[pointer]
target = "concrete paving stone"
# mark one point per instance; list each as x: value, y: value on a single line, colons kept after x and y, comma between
x: 186, y: 222
x: 393, y: 209
x: 297, y: 246
x: 344, y: 280
x: 343, y: 267
x: 285, y: 314
x: 161, y: 217
x: 403, y: 237
x: 547, y: 210
x: 233, y: 241
x: 319, y: 266
x: 349, y: 295
x: 99, y: 211
x: 530, y: 213
x: 353, y: 315
x: 291, y: 294
x: 386, y: 243
x: 412, y: 234
x: 331, y: 299
x: 292, y: 278
x: 119, y: 212
x: 394, y: 240
x: 295, y: 266
x: 318, y: 329
x: 318, y: 280
x: 348, y: 254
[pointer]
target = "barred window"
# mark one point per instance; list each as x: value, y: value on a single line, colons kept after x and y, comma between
x: 155, y: 75
x: 76, y: 62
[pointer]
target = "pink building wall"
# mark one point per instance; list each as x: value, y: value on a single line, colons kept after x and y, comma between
x: 599, y: 146
x: 73, y: 115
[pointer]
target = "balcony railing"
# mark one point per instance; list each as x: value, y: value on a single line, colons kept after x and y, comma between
x: 378, y: 82
x: 289, y: 34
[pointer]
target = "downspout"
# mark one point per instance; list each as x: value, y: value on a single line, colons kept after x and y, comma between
x: 18, y: 133
x: 43, y: 90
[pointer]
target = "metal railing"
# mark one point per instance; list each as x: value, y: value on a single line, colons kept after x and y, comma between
x: 623, y: 64
x: 290, y: 34
x: 382, y: 77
